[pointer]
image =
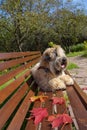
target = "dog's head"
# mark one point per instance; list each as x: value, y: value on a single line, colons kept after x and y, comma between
x: 55, y: 59
x: 49, y: 55
x: 60, y: 61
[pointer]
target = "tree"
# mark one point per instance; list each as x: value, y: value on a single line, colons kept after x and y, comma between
x: 31, y: 24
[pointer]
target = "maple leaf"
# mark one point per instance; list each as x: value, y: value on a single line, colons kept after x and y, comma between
x: 59, y: 119
x: 85, y: 88
x: 41, y: 98
x: 66, y: 119
x: 51, y: 118
x: 38, y: 114
x: 56, y: 120
x: 57, y: 100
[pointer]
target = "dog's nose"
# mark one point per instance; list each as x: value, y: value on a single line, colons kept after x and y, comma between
x: 64, y: 59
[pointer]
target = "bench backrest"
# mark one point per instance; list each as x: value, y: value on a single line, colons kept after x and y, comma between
x: 14, y: 74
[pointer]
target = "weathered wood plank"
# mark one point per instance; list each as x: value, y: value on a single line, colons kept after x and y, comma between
x: 10, y: 106
x: 78, y: 108
x: 21, y: 113
x: 10, y: 55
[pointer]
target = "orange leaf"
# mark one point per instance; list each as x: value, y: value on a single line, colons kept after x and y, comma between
x: 40, y: 98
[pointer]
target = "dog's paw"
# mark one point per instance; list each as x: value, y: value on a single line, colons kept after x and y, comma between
x: 67, y: 79
x: 57, y: 84
x: 70, y: 82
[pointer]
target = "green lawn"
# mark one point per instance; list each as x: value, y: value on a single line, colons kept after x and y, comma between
x: 72, y: 54
x: 72, y: 66
x: 10, y: 81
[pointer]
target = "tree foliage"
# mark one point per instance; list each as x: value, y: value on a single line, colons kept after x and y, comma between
x: 27, y: 25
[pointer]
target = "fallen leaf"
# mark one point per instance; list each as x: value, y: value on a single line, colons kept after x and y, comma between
x: 57, y: 100
x: 85, y: 88
x: 38, y: 114
x: 66, y: 119
x: 51, y: 118
x: 56, y: 120
x: 59, y: 119
x: 40, y: 98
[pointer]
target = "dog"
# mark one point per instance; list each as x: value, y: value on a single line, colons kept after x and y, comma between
x: 49, y: 72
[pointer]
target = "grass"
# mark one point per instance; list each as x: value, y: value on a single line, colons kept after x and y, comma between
x: 6, y: 84
x: 72, y: 66
x: 10, y: 81
x: 72, y: 54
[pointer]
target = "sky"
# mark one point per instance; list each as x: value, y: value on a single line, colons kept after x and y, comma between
x: 80, y: 3
x: 83, y: 2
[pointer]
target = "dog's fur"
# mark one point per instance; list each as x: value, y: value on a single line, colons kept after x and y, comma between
x: 49, y: 72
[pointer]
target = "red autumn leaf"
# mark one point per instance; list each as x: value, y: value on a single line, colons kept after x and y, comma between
x: 38, y: 114
x: 58, y: 120
x: 57, y: 100
x: 41, y: 98
x: 85, y: 88
x: 51, y: 118
x: 66, y: 119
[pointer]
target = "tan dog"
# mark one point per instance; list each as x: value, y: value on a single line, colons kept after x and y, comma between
x: 49, y: 72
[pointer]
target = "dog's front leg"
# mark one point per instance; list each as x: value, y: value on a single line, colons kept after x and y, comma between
x: 67, y: 79
x: 57, y: 84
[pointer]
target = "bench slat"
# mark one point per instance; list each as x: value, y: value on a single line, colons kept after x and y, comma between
x: 21, y: 113
x: 12, y: 74
x: 48, y: 104
x: 17, y: 54
x: 9, y: 64
x: 63, y: 109
x: 4, y: 93
x: 78, y: 108
x: 81, y: 94
x: 30, y: 124
x: 10, y: 106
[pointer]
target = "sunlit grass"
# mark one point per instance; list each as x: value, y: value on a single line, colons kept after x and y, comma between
x: 10, y: 81
x: 72, y: 54
x: 72, y: 66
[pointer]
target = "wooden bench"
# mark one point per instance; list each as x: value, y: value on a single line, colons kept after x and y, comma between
x: 16, y: 88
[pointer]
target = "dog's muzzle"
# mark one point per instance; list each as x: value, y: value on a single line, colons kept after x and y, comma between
x: 60, y: 63
x: 64, y: 62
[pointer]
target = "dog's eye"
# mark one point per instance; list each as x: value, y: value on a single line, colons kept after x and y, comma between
x: 47, y: 57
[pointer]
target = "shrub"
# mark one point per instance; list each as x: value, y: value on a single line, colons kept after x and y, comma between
x: 78, y: 47
x: 85, y: 44
x: 85, y: 53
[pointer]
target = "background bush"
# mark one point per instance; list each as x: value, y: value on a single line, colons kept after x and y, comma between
x: 78, y: 47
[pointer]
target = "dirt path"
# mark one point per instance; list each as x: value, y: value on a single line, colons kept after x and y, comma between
x: 80, y: 74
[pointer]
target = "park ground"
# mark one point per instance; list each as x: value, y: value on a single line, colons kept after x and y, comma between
x: 79, y: 73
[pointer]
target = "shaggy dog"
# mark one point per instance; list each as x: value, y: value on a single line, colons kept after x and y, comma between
x: 49, y: 72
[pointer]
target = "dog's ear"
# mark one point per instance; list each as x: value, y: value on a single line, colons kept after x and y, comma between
x: 55, y: 51
x: 59, y: 51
